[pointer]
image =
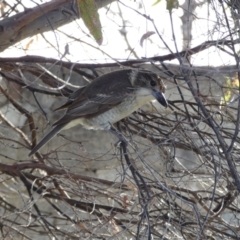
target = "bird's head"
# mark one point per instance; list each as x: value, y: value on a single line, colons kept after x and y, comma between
x: 149, y: 81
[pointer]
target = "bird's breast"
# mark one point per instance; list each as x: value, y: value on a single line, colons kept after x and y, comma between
x: 118, y: 112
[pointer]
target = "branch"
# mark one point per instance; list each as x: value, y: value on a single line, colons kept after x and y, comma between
x: 168, y: 57
x: 40, y: 19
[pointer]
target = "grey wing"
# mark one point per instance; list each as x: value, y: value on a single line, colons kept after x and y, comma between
x: 71, y: 98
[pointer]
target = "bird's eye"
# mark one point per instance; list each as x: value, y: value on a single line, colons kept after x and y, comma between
x: 153, y: 83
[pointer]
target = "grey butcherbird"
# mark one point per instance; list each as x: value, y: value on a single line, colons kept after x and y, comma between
x: 108, y: 99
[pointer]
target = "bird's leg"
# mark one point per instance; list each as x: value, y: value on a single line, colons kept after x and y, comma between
x: 119, y: 135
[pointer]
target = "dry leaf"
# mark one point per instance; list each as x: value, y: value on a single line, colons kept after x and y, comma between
x: 145, y: 36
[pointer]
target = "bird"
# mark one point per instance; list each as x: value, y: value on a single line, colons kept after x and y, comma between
x: 106, y: 100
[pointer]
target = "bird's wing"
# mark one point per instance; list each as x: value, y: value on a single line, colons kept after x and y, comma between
x: 99, y: 96
x: 71, y: 98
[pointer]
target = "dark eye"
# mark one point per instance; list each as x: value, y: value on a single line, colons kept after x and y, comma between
x: 153, y: 83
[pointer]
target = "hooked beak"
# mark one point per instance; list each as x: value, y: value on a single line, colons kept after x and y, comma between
x: 160, y: 98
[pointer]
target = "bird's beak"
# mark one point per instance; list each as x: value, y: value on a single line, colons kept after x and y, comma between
x: 160, y: 98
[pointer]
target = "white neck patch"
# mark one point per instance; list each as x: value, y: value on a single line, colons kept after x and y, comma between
x: 133, y: 77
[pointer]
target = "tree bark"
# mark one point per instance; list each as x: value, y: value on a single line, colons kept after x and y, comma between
x: 39, y: 19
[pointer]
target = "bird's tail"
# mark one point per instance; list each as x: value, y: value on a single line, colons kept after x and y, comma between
x: 47, y: 138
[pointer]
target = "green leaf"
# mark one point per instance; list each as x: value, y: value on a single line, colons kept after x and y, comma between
x: 172, y: 4
x: 157, y: 2
x: 230, y: 88
x: 89, y: 14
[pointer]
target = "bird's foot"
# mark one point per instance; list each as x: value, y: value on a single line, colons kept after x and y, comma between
x: 121, y: 138
x: 119, y: 142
